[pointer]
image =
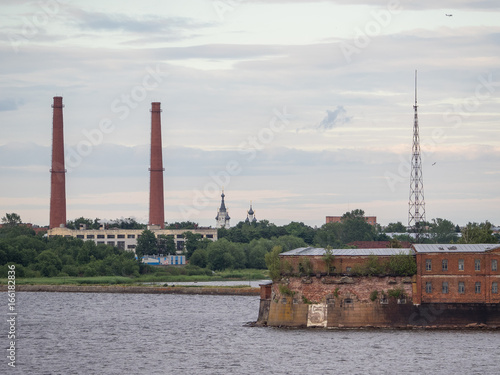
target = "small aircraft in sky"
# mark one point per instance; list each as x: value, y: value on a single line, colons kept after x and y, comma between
x: 449, y: 15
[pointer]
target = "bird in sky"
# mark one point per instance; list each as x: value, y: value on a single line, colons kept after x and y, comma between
x: 449, y: 15
x: 434, y: 163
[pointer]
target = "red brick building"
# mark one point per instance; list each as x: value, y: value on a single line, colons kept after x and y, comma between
x: 457, y: 273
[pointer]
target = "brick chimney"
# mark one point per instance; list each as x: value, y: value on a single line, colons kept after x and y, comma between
x: 156, y: 203
x: 57, y: 173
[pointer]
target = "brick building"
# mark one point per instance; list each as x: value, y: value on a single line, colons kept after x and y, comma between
x: 457, y: 273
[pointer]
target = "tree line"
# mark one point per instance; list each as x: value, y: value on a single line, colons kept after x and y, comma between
x: 35, y: 255
x: 242, y: 246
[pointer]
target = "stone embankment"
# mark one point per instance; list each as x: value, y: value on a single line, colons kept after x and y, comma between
x: 217, y: 291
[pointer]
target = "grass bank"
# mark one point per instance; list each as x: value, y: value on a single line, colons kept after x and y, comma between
x: 158, y: 274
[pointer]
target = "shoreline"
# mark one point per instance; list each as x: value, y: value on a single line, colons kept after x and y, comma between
x: 217, y: 291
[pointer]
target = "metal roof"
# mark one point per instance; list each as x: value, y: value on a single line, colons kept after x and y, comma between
x: 348, y: 252
x: 454, y: 248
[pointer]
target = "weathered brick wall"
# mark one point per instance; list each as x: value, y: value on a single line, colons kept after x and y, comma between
x: 358, y: 288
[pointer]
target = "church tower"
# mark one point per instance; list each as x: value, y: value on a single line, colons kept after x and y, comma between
x: 250, y: 215
x: 222, y: 218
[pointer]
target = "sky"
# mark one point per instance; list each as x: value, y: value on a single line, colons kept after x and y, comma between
x: 302, y: 108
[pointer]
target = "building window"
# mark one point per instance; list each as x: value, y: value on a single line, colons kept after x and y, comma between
x: 384, y: 300
x: 494, y: 288
x: 130, y: 235
x: 477, y: 264
x: 130, y: 246
x: 460, y: 264
x: 478, y: 287
x: 494, y: 265
x: 112, y: 243
x: 100, y: 242
x: 461, y: 287
x: 428, y: 287
x: 445, y: 287
x: 79, y: 236
x: 445, y: 264
x: 90, y: 236
x: 120, y: 236
x: 428, y: 265
x: 111, y: 236
x: 121, y: 244
x: 210, y: 236
x: 348, y: 301
x: 348, y: 269
x: 100, y: 236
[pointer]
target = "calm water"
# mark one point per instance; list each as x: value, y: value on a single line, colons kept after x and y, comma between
x: 77, y: 333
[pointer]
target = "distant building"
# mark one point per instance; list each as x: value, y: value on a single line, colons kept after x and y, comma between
x: 338, y: 219
x: 222, y: 218
x: 127, y: 238
x: 167, y: 260
x: 251, y: 215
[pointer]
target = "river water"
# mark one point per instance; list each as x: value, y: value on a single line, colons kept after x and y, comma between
x: 84, y: 333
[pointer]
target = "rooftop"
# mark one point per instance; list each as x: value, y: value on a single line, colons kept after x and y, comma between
x: 349, y: 252
x: 455, y: 248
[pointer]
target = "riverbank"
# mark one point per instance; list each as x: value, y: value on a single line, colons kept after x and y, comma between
x: 243, y: 291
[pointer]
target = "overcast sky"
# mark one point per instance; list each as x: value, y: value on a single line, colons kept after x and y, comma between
x: 304, y: 108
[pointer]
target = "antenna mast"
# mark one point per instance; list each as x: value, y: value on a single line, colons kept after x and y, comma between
x: 416, y: 211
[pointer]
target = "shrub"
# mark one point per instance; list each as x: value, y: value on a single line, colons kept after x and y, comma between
x: 285, y: 290
x: 374, y: 295
x: 396, y: 293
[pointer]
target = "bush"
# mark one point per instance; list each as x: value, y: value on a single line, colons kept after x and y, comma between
x: 374, y: 295
x: 396, y: 293
x: 285, y: 290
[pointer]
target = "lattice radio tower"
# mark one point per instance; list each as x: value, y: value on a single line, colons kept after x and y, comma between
x: 416, y: 212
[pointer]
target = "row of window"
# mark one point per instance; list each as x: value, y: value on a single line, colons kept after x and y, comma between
x: 101, y: 236
x: 461, y: 287
x: 461, y: 265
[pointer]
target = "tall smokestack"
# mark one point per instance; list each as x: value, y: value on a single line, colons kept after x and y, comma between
x: 156, y: 203
x: 57, y: 173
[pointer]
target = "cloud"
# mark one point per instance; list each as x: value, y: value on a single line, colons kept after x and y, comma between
x: 10, y: 104
x: 334, y: 119
x: 145, y: 24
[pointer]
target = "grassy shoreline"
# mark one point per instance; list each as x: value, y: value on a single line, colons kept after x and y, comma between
x: 240, y: 275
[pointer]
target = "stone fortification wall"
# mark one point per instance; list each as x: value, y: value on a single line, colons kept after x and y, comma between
x: 345, y: 302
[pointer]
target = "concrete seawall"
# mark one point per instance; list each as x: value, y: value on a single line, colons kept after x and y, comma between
x: 135, y: 289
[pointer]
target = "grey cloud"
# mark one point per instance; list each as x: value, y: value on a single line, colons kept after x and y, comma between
x: 10, y: 104
x: 148, y: 24
x: 334, y: 119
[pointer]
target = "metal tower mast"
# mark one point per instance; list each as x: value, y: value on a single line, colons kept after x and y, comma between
x: 416, y: 212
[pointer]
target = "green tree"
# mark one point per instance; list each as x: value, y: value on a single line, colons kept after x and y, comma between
x: 11, y: 219
x: 329, y: 235
x: 166, y: 244
x: 288, y: 242
x: 442, y: 231
x: 328, y: 258
x: 147, y: 244
x: 273, y: 263
x: 192, y: 242
x: 477, y: 233
x: 395, y: 228
x: 199, y: 258
x: 223, y: 254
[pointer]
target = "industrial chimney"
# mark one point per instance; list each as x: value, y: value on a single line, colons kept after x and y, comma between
x: 156, y: 203
x: 57, y: 173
